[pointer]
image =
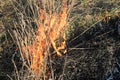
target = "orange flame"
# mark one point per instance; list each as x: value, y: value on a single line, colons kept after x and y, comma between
x: 50, y: 28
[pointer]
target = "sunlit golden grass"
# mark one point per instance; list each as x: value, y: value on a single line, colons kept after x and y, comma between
x: 52, y: 24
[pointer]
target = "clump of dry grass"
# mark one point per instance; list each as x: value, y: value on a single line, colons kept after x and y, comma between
x: 51, y: 20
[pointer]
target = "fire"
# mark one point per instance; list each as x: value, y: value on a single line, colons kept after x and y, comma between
x: 50, y: 28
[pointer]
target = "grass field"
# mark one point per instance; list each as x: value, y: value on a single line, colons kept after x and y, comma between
x: 59, y: 39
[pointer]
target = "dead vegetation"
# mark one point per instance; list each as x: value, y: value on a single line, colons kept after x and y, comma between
x: 92, y: 42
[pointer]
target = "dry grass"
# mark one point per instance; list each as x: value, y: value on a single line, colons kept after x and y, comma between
x: 34, y: 44
x: 43, y: 28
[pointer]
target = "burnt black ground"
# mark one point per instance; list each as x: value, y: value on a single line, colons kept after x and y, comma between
x: 92, y: 56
